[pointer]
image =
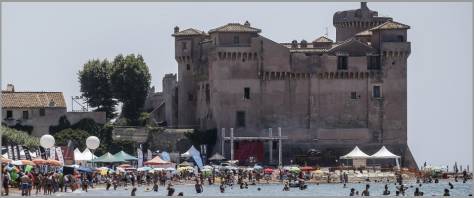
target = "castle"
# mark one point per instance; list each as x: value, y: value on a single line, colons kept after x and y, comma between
x: 325, y: 95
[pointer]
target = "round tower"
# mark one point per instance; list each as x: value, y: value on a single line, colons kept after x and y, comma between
x: 350, y: 22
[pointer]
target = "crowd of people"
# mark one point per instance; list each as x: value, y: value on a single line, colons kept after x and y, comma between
x: 39, y: 182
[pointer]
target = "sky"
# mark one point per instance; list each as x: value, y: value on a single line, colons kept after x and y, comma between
x: 44, y: 45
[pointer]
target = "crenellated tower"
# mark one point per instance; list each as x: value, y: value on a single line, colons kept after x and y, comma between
x: 187, y: 55
x: 350, y: 22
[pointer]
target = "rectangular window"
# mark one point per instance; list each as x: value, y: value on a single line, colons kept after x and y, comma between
x: 376, y: 91
x: 190, y: 97
x: 373, y: 62
x: 184, y: 45
x: 42, y: 112
x: 353, y: 95
x: 236, y: 40
x: 247, y: 93
x: 240, y: 119
x: 188, y: 67
x: 342, y: 62
x: 9, y: 114
x: 208, y: 94
x: 25, y: 115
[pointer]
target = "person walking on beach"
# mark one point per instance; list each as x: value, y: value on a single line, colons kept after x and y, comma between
x: 170, y: 189
x: 6, y: 182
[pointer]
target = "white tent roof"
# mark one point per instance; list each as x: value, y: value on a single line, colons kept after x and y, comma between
x: 86, y: 155
x: 78, y: 155
x: 384, y: 153
x: 356, y: 153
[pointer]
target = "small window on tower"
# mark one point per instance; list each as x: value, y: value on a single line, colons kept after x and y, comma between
x: 190, y: 97
x: 184, y: 46
x: 236, y: 40
x: 401, y: 38
x: 247, y: 93
x: 342, y: 62
x: 188, y: 67
x: 353, y: 95
x: 240, y: 118
x: 376, y: 91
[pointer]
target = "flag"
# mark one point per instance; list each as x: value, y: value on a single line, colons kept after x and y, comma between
x: 140, y: 157
x: 27, y: 153
x: 60, y: 154
x: 149, y: 156
x: 10, y: 152
x: 52, y: 153
x: 20, y: 149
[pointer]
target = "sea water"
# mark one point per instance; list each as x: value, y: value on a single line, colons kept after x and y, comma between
x: 376, y: 189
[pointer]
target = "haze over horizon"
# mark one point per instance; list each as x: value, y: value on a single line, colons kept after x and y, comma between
x: 44, y: 45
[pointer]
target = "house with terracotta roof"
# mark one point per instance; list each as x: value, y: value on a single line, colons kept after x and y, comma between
x: 39, y: 110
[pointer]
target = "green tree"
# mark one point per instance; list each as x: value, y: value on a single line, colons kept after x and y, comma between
x: 130, y: 82
x: 77, y: 136
x: 96, y: 88
x: 63, y: 124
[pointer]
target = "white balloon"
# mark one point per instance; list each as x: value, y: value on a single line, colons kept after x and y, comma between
x: 92, y: 142
x: 47, y: 141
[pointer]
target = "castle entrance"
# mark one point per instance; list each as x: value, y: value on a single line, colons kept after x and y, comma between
x: 249, y: 151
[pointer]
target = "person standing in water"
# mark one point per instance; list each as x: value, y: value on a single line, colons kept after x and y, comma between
x: 386, y: 191
x: 366, y: 191
x: 446, y: 192
x: 352, y: 193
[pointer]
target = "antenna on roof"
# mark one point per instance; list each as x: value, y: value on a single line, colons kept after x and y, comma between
x: 327, y: 32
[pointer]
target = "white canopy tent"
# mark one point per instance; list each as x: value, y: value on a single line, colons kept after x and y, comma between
x: 84, y: 157
x: 384, y: 153
x: 359, y: 158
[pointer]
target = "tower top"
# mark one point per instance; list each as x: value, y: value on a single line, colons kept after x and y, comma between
x: 363, y: 5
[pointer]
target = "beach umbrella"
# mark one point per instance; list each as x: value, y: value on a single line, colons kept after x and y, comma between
x: 294, y: 169
x: 4, y: 160
x: 125, y: 165
x: 217, y: 157
x: 257, y: 167
x: 17, y: 162
x: 28, y: 162
x: 39, y: 161
x: 170, y: 169
x: 186, y: 168
x: 146, y: 168
x: 268, y: 170
x: 158, y: 169
x: 249, y: 169
x: 207, y: 167
x: 52, y: 162
x: 307, y: 168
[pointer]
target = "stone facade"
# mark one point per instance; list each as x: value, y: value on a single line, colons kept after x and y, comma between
x: 40, y: 110
x: 324, y: 94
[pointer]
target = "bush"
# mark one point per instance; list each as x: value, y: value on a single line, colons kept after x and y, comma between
x: 77, y: 136
x: 26, y: 128
x: 10, y: 135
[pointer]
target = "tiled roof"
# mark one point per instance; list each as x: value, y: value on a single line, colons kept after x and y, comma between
x: 189, y: 32
x: 390, y: 25
x: 322, y: 39
x: 32, y: 99
x: 235, y: 27
x: 364, y: 33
